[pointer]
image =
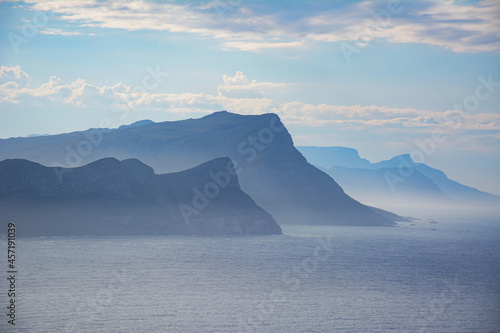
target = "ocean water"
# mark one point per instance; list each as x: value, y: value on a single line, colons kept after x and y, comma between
x: 414, y: 278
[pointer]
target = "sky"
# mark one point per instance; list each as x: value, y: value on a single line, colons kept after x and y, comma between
x: 383, y: 77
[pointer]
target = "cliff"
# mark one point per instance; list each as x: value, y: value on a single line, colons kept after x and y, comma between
x: 109, y: 197
x: 272, y: 171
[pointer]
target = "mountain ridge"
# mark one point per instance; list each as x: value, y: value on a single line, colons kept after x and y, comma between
x: 273, y: 172
x: 399, y: 181
x: 112, y: 197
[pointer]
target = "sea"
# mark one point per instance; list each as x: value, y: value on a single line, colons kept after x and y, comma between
x: 417, y: 277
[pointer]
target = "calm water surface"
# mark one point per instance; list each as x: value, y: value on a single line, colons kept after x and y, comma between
x: 423, y: 278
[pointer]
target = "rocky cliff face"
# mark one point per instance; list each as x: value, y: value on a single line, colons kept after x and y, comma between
x: 271, y: 170
x: 109, y: 197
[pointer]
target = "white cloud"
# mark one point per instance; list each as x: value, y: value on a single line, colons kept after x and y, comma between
x: 11, y: 79
x: 237, y: 94
x: 258, y: 46
x: 239, y: 86
x: 457, y: 26
x: 78, y: 93
x: 385, y: 117
x: 140, y: 15
x: 59, y: 32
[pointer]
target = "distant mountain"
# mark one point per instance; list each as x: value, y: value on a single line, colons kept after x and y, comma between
x: 455, y: 190
x: 377, y: 184
x: 109, y: 197
x: 270, y: 169
x: 327, y: 157
x: 138, y: 123
x: 35, y: 135
x: 395, y: 182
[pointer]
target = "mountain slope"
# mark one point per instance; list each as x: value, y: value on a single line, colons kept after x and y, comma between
x: 270, y: 169
x: 380, y: 183
x: 327, y: 157
x: 451, y: 188
x: 399, y: 182
x: 109, y: 197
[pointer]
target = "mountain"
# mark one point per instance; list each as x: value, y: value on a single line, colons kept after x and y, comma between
x: 35, y: 135
x: 327, y: 157
x: 455, y: 190
x: 109, y: 197
x: 270, y: 169
x: 398, y: 182
x: 138, y: 123
x: 379, y: 183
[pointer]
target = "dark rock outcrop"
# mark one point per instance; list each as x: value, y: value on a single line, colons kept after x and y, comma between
x: 109, y: 197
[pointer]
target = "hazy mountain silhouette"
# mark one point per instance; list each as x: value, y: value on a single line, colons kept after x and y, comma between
x: 271, y: 170
x: 109, y: 197
x: 378, y: 182
x: 327, y: 157
x: 398, y: 181
x: 451, y: 188
x: 138, y: 123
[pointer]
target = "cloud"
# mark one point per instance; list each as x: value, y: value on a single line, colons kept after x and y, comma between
x: 248, y: 26
x: 59, y: 32
x: 140, y: 15
x: 385, y: 117
x: 237, y: 94
x: 12, y: 78
x: 239, y: 86
x: 456, y: 26
x: 258, y: 46
x: 15, y: 89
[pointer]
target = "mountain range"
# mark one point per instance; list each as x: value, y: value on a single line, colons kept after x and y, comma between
x: 111, y: 197
x: 270, y: 169
x: 399, y: 184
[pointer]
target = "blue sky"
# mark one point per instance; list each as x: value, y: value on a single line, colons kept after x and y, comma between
x: 380, y: 76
